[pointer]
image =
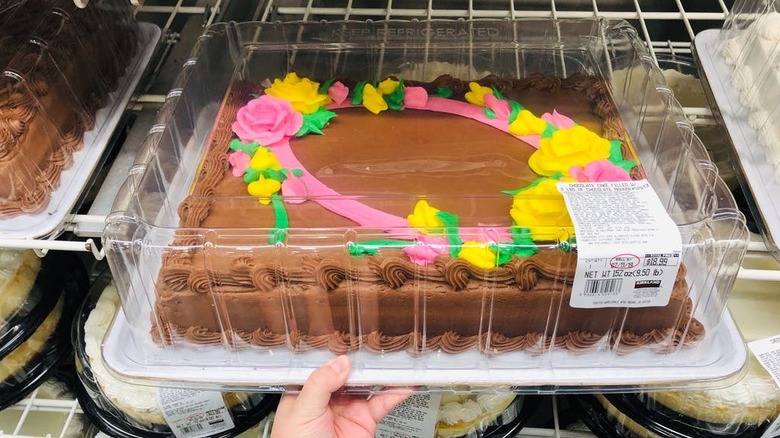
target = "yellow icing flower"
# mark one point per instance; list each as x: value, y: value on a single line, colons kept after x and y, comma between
x: 264, y: 159
x: 302, y: 93
x: 373, y: 100
x: 388, y: 86
x: 263, y: 188
x: 527, y: 124
x: 477, y: 94
x: 575, y: 146
x: 478, y: 254
x: 424, y: 217
x: 542, y: 209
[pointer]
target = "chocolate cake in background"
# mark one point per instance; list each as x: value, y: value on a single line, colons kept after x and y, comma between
x: 59, y: 64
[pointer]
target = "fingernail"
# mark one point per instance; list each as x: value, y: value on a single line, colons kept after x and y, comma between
x: 339, y: 364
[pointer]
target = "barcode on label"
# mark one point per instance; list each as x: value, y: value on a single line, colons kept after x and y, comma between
x: 610, y: 286
x: 192, y: 428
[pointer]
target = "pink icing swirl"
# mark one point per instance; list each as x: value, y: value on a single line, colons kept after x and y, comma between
x: 599, y: 171
x: 498, y: 106
x: 338, y: 92
x: 266, y: 120
x: 427, y: 248
x: 240, y: 162
x: 415, y: 97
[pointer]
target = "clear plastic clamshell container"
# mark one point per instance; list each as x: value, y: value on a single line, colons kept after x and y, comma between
x: 391, y: 239
x: 133, y: 411
x: 742, y: 77
x: 66, y: 74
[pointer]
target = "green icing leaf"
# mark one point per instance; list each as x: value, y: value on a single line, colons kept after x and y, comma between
x: 249, y: 149
x: 534, y: 183
x: 615, y: 152
x: 451, y: 231
x: 313, y: 123
x: 326, y: 85
x: 395, y: 100
x: 498, y: 94
x: 297, y: 172
x: 251, y: 175
x: 502, y: 254
x: 282, y: 223
x: 549, y: 130
x: 371, y: 247
x: 524, y: 245
x: 515, y: 110
x: 278, y: 175
x: 443, y: 92
x: 358, y: 250
x: 357, y: 95
x: 625, y: 165
x: 489, y: 113
x: 616, y: 156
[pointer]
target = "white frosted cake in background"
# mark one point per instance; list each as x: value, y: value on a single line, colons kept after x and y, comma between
x: 466, y: 415
x: 136, y: 401
x: 18, y: 271
x: 754, y: 55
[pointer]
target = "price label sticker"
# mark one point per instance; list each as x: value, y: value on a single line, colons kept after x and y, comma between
x: 628, y: 248
x: 194, y: 414
x: 767, y: 351
x: 416, y: 417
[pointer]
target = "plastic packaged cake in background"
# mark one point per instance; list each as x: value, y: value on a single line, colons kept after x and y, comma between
x: 67, y: 73
x: 126, y: 410
x: 397, y: 199
x: 40, y: 340
x: 746, y: 409
x: 742, y: 80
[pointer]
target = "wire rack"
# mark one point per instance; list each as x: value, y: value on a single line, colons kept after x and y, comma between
x: 667, y: 27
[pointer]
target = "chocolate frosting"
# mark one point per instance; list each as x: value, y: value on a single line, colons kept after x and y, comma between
x: 323, y: 291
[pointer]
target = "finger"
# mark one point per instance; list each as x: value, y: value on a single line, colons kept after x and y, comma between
x: 313, y: 400
x: 381, y: 405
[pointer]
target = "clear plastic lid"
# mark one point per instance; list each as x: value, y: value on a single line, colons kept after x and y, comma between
x: 740, y: 62
x: 64, y: 281
x: 212, y: 279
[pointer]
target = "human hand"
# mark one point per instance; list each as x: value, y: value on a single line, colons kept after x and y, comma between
x: 316, y: 412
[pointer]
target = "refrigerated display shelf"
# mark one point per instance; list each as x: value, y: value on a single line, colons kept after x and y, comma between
x: 666, y: 26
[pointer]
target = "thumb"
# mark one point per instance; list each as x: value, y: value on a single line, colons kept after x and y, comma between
x: 315, y: 395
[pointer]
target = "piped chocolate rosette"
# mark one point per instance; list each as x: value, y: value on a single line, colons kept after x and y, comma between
x: 294, y: 107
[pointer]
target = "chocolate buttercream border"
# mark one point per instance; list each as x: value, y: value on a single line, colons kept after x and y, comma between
x: 623, y: 342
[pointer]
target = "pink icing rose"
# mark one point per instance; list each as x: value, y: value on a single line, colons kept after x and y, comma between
x: 294, y: 189
x: 240, y: 161
x: 427, y: 248
x: 338, y: 93
x: 266, y: 120
x: 415, y: 97
x: 599, y: 171
x: 558, y: 120
x: 498, y: 106
x: 486, y: 233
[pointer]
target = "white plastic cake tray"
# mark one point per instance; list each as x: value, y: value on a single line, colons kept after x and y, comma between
x: 721, y: 356
x: 758, y: 173
x: 74, y: 179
